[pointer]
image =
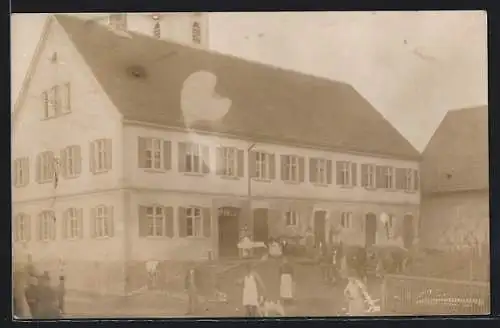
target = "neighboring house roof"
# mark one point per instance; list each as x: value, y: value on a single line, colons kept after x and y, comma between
x: 456, y: 158
x: 268, y: 103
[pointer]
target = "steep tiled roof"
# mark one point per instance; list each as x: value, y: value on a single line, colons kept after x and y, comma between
x: 267, y: 103
x: 456, y: 157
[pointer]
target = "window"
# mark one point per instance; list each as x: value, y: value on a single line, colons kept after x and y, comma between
x: 66, y: 98
x: 103, y: 221
x: 57, y: 100
x: 193, y: 158
x: 47, y: 226
x: 290, y: 168
x: 154, y: 154
x: 22, y: 227
x: 230, y: 162
x: 45, y: 167
x: 291, y: 218
x: 21, y: 172
x: 368, y: 175
x: 100, y: 155
x: 73, y: 224
x: 388, y: 177
x: 346, y: 220
x: 196, y: 33
x: 118, y: 21
x: 193, y: 222
x: 71, y: 161
x: 263, y: 165
x: 320, y: 171
x: 156, y: 221
x: 411, y: 180
x: 157, y: 30
x: 346, y: 173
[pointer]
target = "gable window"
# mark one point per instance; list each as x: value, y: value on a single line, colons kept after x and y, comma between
x: 346, y: 220
x: 346, y: 173
x: 193, y: 158
x: 21, y: 172
x: 57, y: 100
x: 291, y: 218
x: 100, y: 155
x: 196, y: 33
x: 154, y: 154
x: 73, y: 223
x: 118, y: 21
x: 22, y: 227
x: 45, y: 167
x: 157, y: 30
x: 102, y: 221
x: 320, y: 171
x: 292, y: 168
x: 230, y: 162
x: 47, y: 226
x: 368, y: 176
x: 71, y: 161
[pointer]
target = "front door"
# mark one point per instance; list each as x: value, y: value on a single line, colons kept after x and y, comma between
x: 319, y: 227
x: 228, y: 231
x: 408, y: 231
x: 370, y: 229
x: 260, y: 225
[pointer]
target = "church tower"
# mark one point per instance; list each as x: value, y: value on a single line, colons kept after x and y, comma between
x: 187, y: 27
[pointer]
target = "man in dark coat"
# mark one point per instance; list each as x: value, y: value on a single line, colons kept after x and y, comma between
x: 48, y: 300
x: 31, y: 295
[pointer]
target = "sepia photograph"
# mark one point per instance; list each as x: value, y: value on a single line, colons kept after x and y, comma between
x: 249, y: 164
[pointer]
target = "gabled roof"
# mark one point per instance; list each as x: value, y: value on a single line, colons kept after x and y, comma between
x: 267, y: 103
x: 456, y: 157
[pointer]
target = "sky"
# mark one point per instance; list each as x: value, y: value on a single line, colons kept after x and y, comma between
x: 412, y: 66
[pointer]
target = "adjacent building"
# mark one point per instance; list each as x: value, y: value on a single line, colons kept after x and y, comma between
x: 455, y: 182
x: 127, y: 148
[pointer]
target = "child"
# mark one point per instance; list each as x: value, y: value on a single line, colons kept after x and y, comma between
x: 251, y: 285
x: 286, y: 278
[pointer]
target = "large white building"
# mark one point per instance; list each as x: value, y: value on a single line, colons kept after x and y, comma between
x: 164, y: 150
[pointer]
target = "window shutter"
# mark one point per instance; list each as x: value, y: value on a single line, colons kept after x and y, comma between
x: 63, y: 166
x: 219, y: 161
x: 340, y: 177
x: 205, y: 152
x: 67, y: 98
x: 53, y: 226
x: 79, y: 215
x: 78, y: 160
x: 92, y: 157
x: 14, y: 171
x: 207, y: 226
x: 354, y: 174
x: 241, y: 162
x: 283, y: 167
x: 182, y: 156
x: 272, y: 166
x: 28, y: 228
x: 26, y: 164
x: 93, y: 217
x: 379, y: 176
x: 169, y: 221
x: 302, y: 168
x: 111, y: 220
x: 38, y: 168
x: 64, y: 224
x: 51, y: 165
x: 182, y: 222
x: 45, y: 104
x: 364, y: 175
x: 141, y: 152
x: 108, y: 144
x: 312, y: 170
x: 39, y: 226
x: 416, y: 176
x: 329, y: 172
x: 143, y: 221
x: 167, y: 155
x: 400, y: 179
x: 16, y: 227
x: 252, y: 164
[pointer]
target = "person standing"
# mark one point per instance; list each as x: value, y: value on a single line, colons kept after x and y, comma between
x: 252, y: 282
x: 31, y: 296
x: 286, y: 281
x: 48, y: 301
x: 191, y: 285
x: 355, y: 297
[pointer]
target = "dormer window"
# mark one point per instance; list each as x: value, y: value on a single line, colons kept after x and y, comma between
x: 118, y: 21
x: 196, y: 33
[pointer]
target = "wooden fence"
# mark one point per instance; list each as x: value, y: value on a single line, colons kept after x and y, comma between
x: 407, y: 295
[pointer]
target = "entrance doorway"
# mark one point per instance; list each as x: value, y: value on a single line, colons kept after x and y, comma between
x: 228, y: 231
x: 260, y: 225
x: 370, y: 229
x: 408, y: 232
x: 319, y: 227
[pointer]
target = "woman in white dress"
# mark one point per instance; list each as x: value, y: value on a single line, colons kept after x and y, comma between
x: 286, y: 284
x: 251, y: 285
